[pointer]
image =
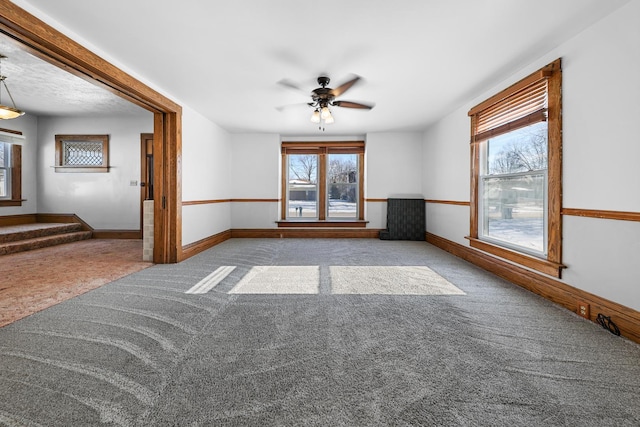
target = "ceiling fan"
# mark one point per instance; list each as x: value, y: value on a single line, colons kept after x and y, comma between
x: 325, y: 97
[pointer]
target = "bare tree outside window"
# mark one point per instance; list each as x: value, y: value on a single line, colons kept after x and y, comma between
x: 342, y: 185
x: 303, y: 167
x: 303, y: 186
x: 521, y: 152
x: 513, y: 187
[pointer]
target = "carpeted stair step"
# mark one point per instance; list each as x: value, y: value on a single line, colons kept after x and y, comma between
x: 31, y: 231
x: 42, y: 242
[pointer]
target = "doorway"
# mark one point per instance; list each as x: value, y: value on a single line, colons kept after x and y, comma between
x: 146, y: 167
x: 48, y: 44
x: 146, y: 173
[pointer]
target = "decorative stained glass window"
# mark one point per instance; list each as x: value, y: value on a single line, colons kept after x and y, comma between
x: 82, y: 153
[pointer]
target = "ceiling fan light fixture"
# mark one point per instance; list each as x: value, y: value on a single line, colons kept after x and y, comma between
x: 315, y: 116
x: 325, y: 113
x: 329, y: 119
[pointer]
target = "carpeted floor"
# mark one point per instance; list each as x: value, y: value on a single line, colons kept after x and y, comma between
x: 34, y: 280
x: 286, y: 332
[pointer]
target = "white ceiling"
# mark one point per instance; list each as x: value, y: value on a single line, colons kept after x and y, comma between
x: 419, y: 59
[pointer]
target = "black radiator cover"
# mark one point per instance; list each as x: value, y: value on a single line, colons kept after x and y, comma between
x: 406, y: 220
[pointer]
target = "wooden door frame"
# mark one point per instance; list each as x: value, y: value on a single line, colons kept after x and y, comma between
x: 144, y: 182
x: 50, y: 45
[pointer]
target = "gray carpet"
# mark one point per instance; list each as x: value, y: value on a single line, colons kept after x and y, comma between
x: 288, y: 332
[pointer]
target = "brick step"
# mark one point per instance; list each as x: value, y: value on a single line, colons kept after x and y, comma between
x: 31, y: 231
x: 43, y: 242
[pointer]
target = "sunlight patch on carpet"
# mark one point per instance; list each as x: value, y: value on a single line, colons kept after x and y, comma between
x: 209, y: 282
x: 279, y: 280
x: 390, y: 280
x: 345, y: 280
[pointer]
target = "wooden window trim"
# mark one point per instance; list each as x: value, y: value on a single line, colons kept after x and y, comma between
x: 552, y: 265
x: 322, y: 224
x: 322, y: 149
x: 61, y: 167
x: 16, y: 173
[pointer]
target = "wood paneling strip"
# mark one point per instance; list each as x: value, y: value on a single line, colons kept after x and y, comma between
x: 627, y: 319
x: 541, y: 265
x: 444, y: 202
x: 10, y: 220
x: 204, y: 202
x: 117, y: 234
x: 325, y: 233
x: 256, y: 200
x: 201, y: 245
x: 322, y: 224
x: 15, y: 132
x: 554, y: 170
x: 286, y: 145
x: 448, y: 202
x: 207, y: 202
x: 594, y: 213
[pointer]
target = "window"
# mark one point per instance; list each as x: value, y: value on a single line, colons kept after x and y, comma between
x: 82, y: 153
x: 342, y: 186
x: 322, y: 181
x: 513, y: 193
x: 516, y: 146
x: 10, y: 168
x: 5, y: 170
x: 302, y: 185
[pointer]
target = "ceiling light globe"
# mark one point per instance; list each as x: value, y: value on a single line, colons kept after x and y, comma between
x: 325, y: 113
x: 7, y: 113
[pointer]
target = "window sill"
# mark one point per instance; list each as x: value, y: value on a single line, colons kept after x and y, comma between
x: 543, y: 266
x: 99, y: 169
x: 321, y: 224
x: 11, y: 202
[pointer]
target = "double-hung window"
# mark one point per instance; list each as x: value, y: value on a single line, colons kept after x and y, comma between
x: 5, y: 170
x: 322, y: 181
x: 516, y: 172
x: 10, y: 169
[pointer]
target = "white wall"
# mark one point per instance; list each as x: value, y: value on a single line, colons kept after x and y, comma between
x: 28, y: 125
x: 600, y: 157
x: 446, y: 176
x: 255, y: 174
x: 206, y: 175
x: 106, y: 201
x: 393, y: 168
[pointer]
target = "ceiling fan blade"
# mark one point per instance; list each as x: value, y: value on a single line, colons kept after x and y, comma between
x: 290, y: 106
x: 344, y: 87
x: 290, y: 84
x: 349, y: 104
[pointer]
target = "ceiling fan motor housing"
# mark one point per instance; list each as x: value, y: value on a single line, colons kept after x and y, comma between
x: 323, y: 81
x: 322, y: 95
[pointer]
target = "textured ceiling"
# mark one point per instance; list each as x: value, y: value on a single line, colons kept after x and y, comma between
x: 419, y: 59
x: 40, y: 89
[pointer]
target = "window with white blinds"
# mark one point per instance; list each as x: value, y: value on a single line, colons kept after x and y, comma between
x: 516, y: 144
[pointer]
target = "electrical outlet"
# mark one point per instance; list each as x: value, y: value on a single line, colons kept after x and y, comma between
x: 583, y: 309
